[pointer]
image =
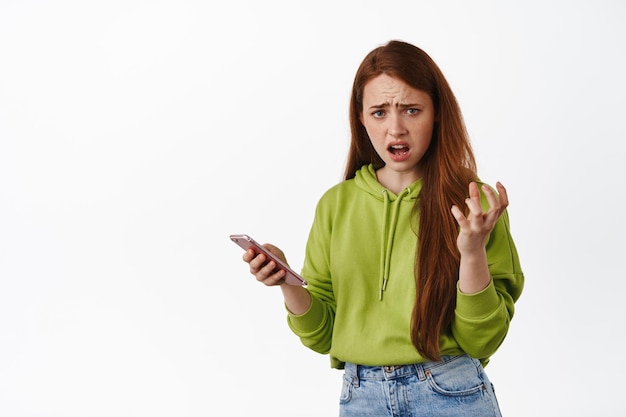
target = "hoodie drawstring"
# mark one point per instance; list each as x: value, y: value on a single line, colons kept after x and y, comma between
x: 387, y: 234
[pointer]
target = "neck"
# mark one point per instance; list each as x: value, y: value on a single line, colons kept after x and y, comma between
x: 396, y: 181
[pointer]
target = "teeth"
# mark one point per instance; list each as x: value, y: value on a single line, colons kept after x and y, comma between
x: 398, y: 149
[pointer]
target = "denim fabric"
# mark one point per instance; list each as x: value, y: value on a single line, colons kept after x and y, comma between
x: 456, y: 386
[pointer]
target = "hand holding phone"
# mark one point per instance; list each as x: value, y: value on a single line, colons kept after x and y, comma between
x: 246, y: 242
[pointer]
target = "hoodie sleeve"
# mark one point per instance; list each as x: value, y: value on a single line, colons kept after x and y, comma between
x: 482, y: 320
x: 315, y: 326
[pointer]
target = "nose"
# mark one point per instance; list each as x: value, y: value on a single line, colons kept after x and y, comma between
x: 396, y: 125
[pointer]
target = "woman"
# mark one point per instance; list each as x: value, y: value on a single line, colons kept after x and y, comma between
x: 412, y: 271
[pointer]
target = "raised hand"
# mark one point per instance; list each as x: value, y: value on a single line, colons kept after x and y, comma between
x: 474, y: 229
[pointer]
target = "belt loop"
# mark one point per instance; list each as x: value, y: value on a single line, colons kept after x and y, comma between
x: 352, y: 373
x: 419, y: 370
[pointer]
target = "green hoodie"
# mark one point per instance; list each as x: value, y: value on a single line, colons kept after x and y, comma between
x: 359, y: 265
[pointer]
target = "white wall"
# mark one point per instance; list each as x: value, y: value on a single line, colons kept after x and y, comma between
x: 136, y: 135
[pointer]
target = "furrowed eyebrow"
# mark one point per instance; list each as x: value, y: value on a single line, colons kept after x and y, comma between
x: 399, y: 105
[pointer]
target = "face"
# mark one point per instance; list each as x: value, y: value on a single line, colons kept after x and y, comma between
x: 399, y: 121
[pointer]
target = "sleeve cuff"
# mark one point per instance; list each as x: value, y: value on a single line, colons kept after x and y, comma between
x: 310, y: 320
x: 477, y: 305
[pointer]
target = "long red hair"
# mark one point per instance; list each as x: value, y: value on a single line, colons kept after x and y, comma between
x: 448, y: 166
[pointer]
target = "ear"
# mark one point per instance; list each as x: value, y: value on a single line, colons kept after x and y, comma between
x: 361, y: 118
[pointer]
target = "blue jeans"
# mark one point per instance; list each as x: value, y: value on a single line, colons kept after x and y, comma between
x: 456, y: 386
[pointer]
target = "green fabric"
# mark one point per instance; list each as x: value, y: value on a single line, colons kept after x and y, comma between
x: 364, y: 236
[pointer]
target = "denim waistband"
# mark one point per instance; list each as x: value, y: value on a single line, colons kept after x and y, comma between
x: 421, y: 370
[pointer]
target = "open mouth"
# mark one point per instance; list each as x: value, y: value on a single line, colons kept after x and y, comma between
x: 398, y: 149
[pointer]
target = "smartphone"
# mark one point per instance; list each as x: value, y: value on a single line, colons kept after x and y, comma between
x: 246, y: 242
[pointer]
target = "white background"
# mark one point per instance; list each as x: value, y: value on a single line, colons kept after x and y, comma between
x: 135, y: 136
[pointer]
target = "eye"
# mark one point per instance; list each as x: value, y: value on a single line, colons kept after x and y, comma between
x: 412, y: 111
x: 378, y: 113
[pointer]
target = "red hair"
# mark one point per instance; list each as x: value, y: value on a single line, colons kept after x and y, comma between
x: 448, y: 165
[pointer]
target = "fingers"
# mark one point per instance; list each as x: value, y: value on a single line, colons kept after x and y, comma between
x: 476, y: 217
x: 275, y: 251
x: 473, y: 202
x: 264, y: 271
x: 476, y: 225
x: 459, y: 216
x: 497, y: 203
x: 270, y: 275
x: 504, y: 197
x: 248, y: 255
x: 473, y: 191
